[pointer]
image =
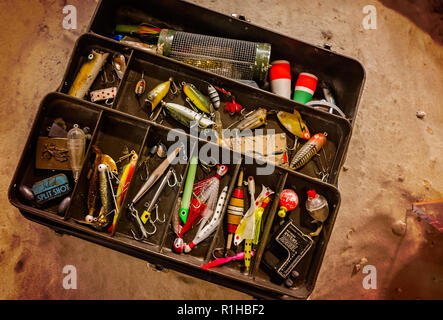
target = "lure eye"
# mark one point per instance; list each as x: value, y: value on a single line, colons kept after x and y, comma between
x: 178, y: 245
x: 101, y: 167
x: 91, y: 57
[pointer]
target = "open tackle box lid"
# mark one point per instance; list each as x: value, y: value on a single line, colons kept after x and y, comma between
x: 346, y: 75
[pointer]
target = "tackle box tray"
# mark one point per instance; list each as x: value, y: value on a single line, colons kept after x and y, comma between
x: 111, y: 132
x: 123, y: 124
x: 157, y: 69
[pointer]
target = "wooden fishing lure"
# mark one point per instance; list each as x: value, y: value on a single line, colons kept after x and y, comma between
x: 157, y: 94
x: 51, y: 188
x: 213, y: 95
x: 294, y: 124
x: 209, y: 228
x: 196, y: 97
x: 87, y: 74
x: 308, y: 150
x: 258, y: 219
x: 123, y: 186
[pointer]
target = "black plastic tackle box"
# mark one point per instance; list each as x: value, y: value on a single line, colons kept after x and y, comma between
x: 285, y: 257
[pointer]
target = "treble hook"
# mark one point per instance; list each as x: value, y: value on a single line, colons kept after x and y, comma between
x: 147, y: 172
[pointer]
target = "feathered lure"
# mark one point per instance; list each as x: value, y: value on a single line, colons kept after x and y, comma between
x: 202, y: 206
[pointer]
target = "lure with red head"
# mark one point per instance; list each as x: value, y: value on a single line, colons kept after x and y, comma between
x: 233, y: 107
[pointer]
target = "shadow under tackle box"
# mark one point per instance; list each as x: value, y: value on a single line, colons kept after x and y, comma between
x: 150, y: 186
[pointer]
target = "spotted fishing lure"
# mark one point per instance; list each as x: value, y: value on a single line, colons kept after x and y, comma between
x: 308, y: 150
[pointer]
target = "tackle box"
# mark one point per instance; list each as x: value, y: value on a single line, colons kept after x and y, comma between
x: 122, y: 125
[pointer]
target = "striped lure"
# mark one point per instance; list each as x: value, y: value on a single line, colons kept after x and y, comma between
x: 308, y: 150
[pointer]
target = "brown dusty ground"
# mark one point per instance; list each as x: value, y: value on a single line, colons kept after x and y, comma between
x: 394, y: 158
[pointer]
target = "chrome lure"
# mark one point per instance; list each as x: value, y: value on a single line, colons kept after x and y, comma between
x: 213, y: 95
x: 185, y: 115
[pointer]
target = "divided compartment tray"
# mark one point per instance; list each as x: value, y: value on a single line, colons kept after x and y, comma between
x: 346, y: 75
x: 157, y: 69
x: 123, y: 122
x: 111, y: 134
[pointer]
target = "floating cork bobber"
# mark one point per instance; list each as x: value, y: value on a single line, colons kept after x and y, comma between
x: 305, y: 87
x: 235, y: 210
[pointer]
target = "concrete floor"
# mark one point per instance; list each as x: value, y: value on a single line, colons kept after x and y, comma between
x: 394, y: 158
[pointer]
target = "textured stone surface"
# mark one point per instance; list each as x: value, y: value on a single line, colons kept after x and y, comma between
x: 404, y: 69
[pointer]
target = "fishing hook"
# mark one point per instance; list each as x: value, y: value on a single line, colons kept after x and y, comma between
x: 176, y: 89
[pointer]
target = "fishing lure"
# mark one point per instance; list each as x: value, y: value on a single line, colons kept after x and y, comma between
x: 213, y: 95
x: 213, y: 183
x: 209, y: 228
x: 196, y: 97
x: 147, y: 213
x: 220, y: 261
x: 185, y: 115
x: 144, y: 30
x: 76, y: 145
x: 288, y: 202
x: 123, y: 185
x: 253, y: 120
x: 294, y: 124
x: 92, y: 190
x: 107, y: 211
x: 258, y: 219
x: 308, y: 150
x: 233, y: 107
x: 246, y: 228
x: 202, y: 205
x: 140, y: 87
x: 157, y: 94
x: 87, y: 74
